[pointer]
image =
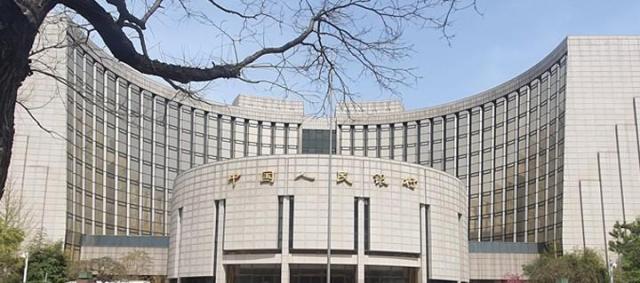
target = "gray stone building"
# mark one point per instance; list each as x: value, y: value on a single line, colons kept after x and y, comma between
x: 550, y: 157
x: 391, y: 221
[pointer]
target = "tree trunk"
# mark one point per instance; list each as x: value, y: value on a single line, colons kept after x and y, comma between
x: 17, y: 34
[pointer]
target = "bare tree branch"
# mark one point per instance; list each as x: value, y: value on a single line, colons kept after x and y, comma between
x: 42, y: 127
x: 346, y: 41
x: 157, y: 4
x: 122, y: 48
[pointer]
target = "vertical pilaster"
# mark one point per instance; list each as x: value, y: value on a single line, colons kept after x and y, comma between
x: 424, y: 259
x: 360, y: 244
x: 284, y: 259
x: 176, y: 264
x: 220, y: 272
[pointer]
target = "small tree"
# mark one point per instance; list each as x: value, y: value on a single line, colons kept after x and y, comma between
x: 579, y: 266
x: 626, y: 242
x: 10, y: 263
x: 11, y: 237
x: 47, y: 260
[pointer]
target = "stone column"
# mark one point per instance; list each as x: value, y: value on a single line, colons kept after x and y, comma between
x: 360, y: 247
x: 424, y: 249
x: 221, y: 276
x: 176, y: 263
x: 284, y: 254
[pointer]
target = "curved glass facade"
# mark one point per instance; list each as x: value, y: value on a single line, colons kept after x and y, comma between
x: 508, y: 151
x: 126, y: 145
x: 127, y: 141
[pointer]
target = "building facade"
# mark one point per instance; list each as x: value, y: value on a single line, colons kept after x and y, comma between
x: 550, y: 157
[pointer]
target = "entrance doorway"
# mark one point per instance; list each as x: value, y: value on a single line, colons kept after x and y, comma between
x: 390, y: 274
x: 316, y: 273
x: 258, y: 273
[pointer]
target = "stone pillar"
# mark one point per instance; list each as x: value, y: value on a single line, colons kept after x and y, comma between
x: 221, y: 276
x: 284, y: 254
x: 360, y: 247
x: 176, y: 264
x: 424, y: 249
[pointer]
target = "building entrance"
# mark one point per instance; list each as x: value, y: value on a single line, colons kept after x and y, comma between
x: 262, y: 273
x: 390, y: 274
x: 302, y: 273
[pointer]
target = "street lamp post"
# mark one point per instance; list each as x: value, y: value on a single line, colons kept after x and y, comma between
x: 612, y: 265
x: 329, y: 178
x: 26, y: 266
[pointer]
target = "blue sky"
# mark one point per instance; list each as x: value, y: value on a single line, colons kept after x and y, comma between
x: 509, y: 37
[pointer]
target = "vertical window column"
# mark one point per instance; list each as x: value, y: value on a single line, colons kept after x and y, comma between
x: 135, y: 164
x: 161, y: 162
x: 450, y: 143
x: 425, y: 142
x: 148, y: 155
x: 411, y: 142
x: 358, y: 146
x: 398, y: 140
x: 475, y: 170
x: 186, y: 139
x: 122, y: 152
x: 488, y: 159
x: 437, y: 145
x: 499, y: 195
x: 345, y: 140
x: 99, y: 158
x: 213, y: 139
x: 253, y: 138
x: 199, y: 138
x: 89, y: 136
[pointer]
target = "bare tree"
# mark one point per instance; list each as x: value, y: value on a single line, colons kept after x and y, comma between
x: 136, y: 263
x: 104, y: 269
x: 12, y: 210
x: 330, y: 43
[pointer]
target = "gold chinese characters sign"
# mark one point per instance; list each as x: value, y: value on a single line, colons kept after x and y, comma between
x: 379, y: 181
x: 233, y: 179
x: 267, y: 177
x: 342, y: 177
x: 410, y: 183
x: 304, y: 176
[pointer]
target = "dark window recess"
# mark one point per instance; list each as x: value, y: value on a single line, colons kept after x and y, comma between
x: 280, y: 220
x: 427, y: 244
x: 367, y: 225
x: 317, y: 141
x: 356, y: 218
x: 291, y: 202
x: 311, y: 273
x: 202, y: 279
x: 390, y: 274
x: 260, y: 273
x: 216, y: 233
x: 355, y: 224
